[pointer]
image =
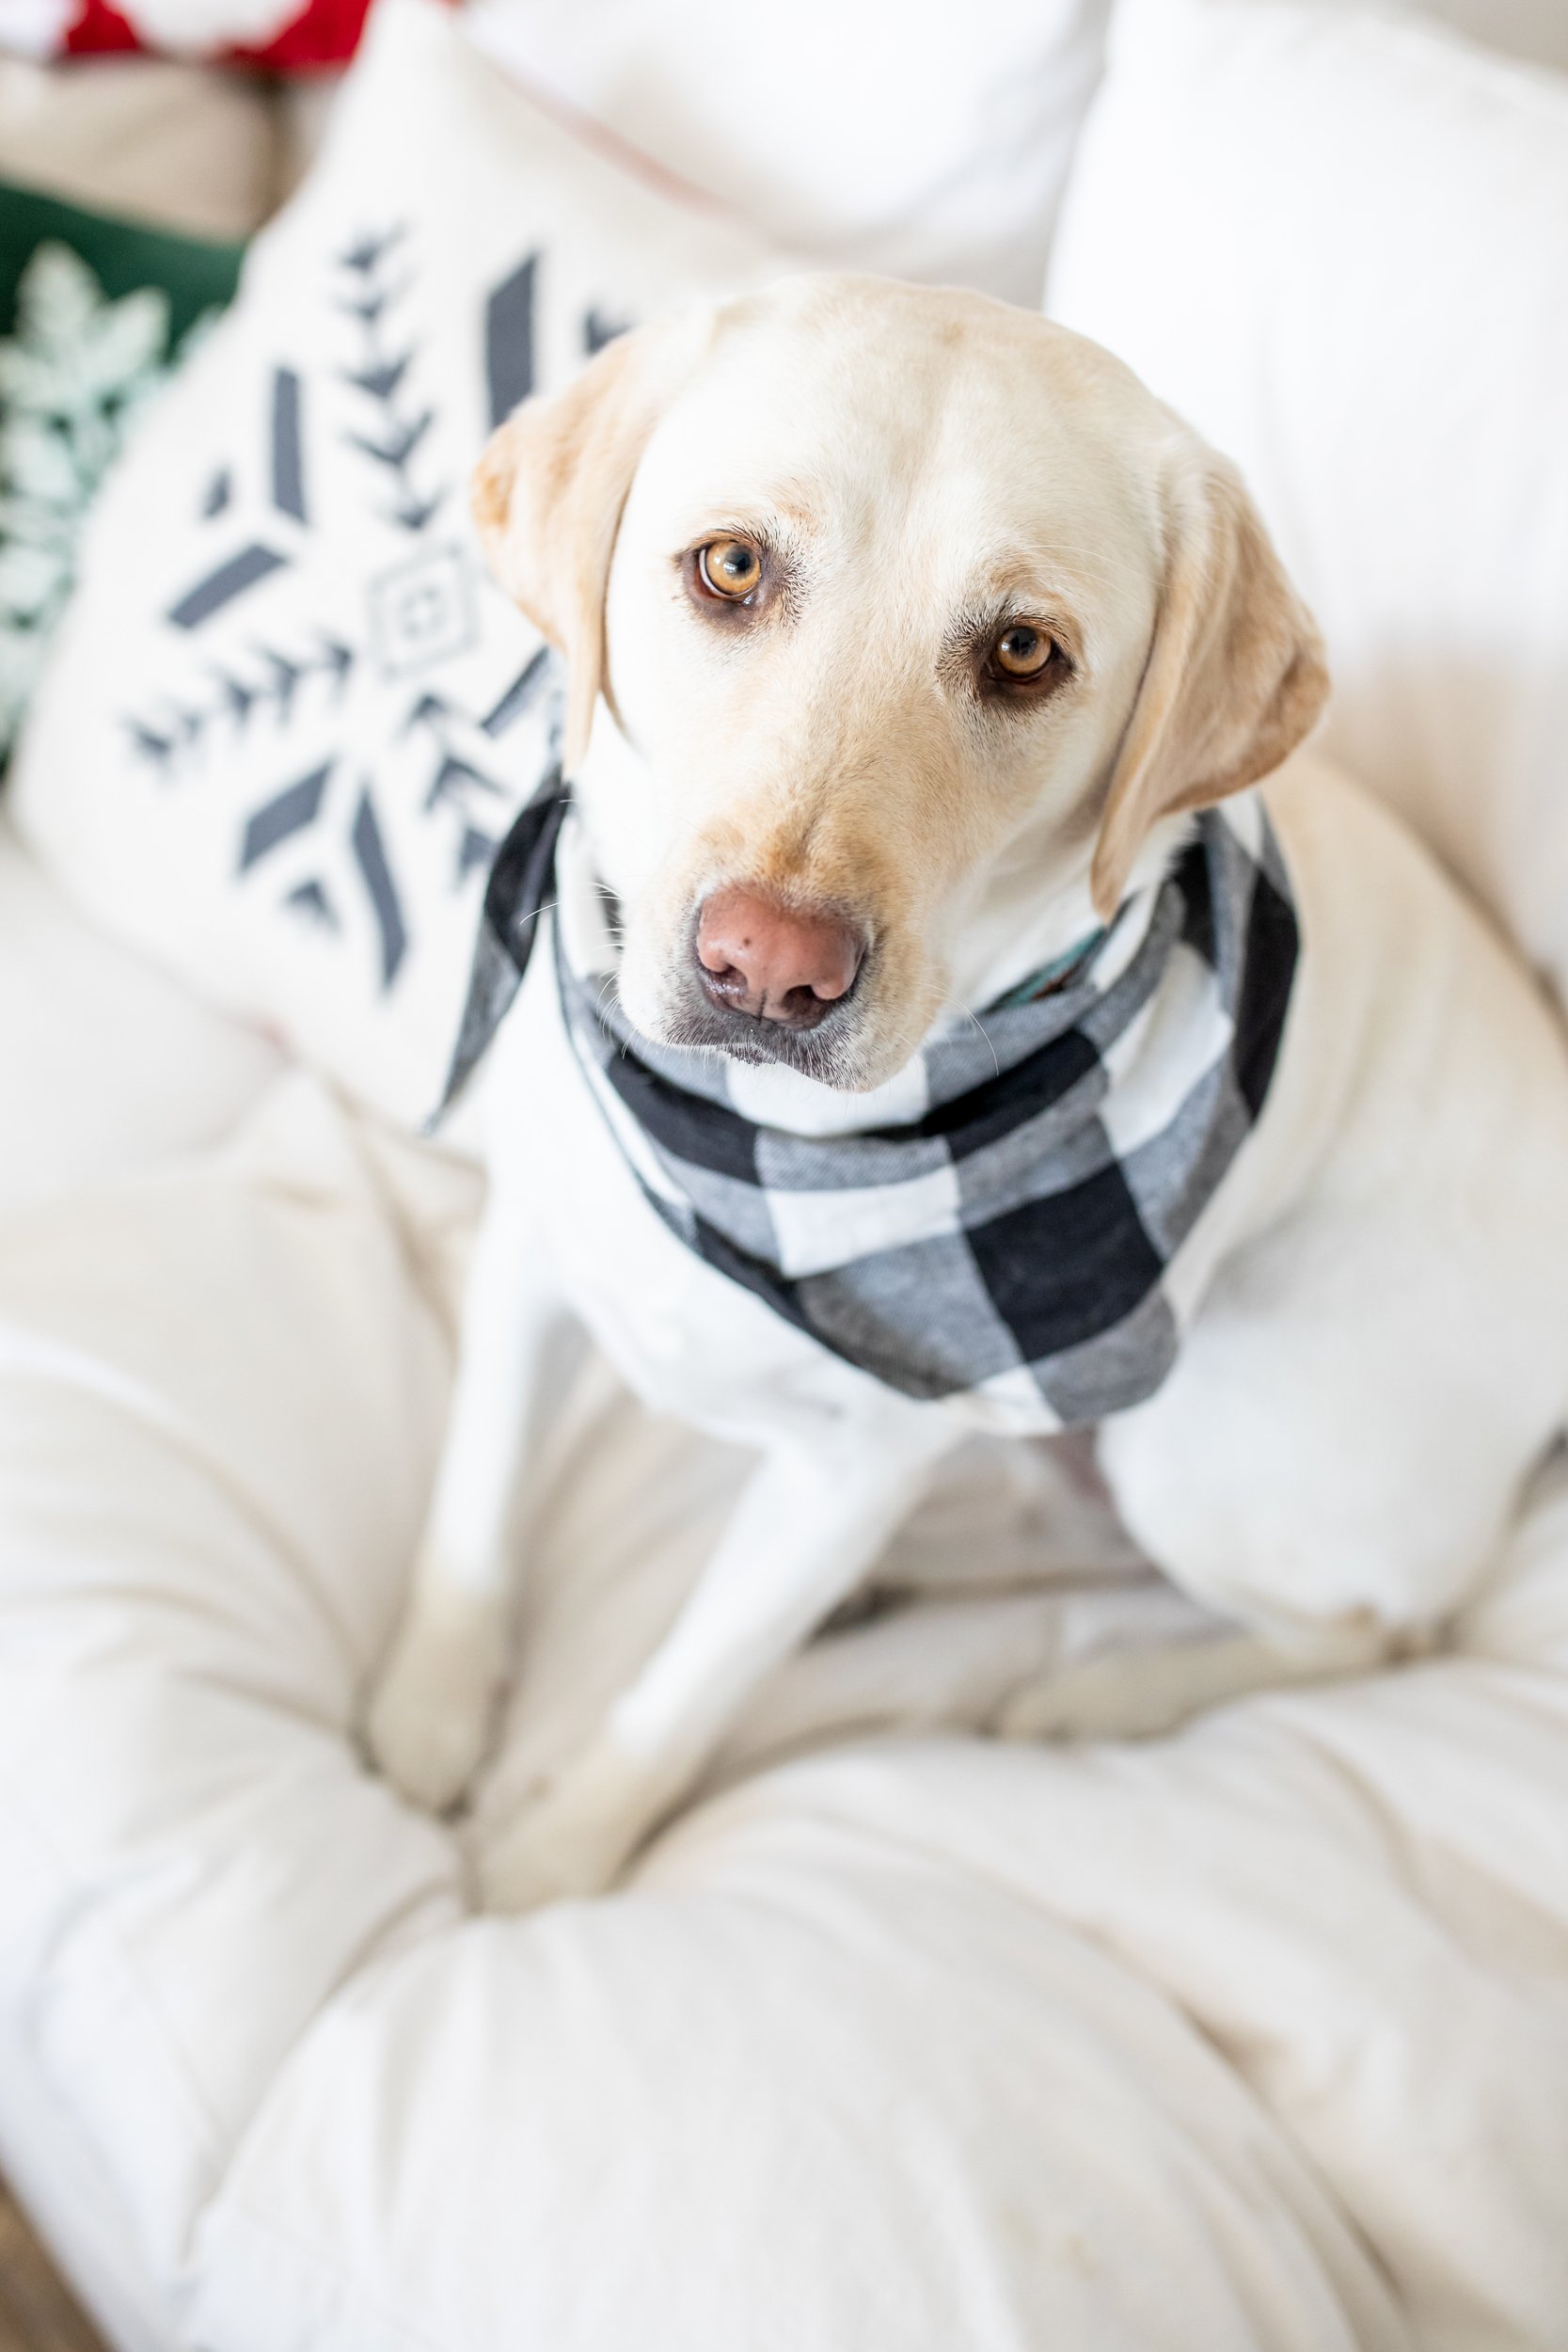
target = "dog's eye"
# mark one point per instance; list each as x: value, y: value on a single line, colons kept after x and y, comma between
x: 1023, y: 652
x: 730, y: 569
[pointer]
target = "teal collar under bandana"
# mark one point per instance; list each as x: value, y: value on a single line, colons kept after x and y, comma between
x: 1053, y: 975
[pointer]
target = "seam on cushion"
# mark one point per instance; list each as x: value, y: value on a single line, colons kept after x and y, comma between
x: 919, y: 1847
x: 613, y: 147
x: 273, y: 2237
x: 214, y: 2158
x: 1401, y: 1847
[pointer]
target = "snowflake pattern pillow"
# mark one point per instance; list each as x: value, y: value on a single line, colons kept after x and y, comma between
x: 289, y: 716
x: 93, y: 310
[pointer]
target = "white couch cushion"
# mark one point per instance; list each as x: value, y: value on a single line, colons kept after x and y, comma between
x: 1339, y: 245
x: 910, y: 2046
x: 289, y: 714
x: 888, y: 135
x: 106, y: 1064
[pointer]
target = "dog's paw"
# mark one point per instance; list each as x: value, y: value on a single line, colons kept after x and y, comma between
x: 430, y: 1719
x: 573, y: 1839
x: 1126, y: 1694
x: 1141, y: 1694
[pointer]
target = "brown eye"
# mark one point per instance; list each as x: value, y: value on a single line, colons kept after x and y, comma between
x: 730, y: 569
x: 1023, y: 652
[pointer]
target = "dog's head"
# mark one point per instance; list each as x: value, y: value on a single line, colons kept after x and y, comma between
x: 922, y: 626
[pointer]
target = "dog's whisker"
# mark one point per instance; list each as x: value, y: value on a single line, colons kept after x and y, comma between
x: 985, y: 1033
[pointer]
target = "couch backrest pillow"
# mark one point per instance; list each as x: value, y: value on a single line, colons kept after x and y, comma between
x: 1339, y: 245
x: 898, y: 136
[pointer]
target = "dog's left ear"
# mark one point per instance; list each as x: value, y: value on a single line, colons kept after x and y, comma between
x: 549, y: 491
x: 1235, y: 675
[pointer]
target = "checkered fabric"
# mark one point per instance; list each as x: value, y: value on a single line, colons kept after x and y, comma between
x: 1009, y: 1235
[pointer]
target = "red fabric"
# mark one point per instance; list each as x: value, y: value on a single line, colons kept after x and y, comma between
x: 98, y: 29
x: 326, y: 32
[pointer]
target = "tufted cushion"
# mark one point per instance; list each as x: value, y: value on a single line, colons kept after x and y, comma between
x: 911, y: 2044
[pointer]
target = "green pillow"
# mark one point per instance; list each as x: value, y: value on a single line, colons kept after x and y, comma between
x: 92, y: 312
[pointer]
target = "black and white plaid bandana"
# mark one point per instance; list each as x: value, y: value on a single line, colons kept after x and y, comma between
x: 1011, y: 1237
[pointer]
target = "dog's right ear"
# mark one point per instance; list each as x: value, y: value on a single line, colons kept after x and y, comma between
x: 549, y: 491
x: 1235, y: 676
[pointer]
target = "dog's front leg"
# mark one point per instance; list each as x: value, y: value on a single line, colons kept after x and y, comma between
x: 430, y: 1720
x: 810, y: 1524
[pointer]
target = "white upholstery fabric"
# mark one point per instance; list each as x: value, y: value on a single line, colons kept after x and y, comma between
x: 1339, y: 245
x: 1254, y: 2039
x: 887, y: 136
x: 894, y: 134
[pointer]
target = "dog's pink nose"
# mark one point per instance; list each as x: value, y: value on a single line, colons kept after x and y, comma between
x: 774, y: 963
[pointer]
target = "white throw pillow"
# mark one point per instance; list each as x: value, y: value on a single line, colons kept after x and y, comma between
x: 1339, y: 245
x: 289, y: 715
x: 900, y: 136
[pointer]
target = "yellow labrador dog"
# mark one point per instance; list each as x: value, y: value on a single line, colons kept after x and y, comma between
x: 929, y: 1024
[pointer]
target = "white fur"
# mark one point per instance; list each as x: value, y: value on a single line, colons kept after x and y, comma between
x: 1310, y: 1466
x: 1377, y: 1351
